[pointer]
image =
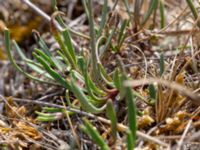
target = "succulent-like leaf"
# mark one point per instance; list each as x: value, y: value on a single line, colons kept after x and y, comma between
x: 162, y: 14
x: 68, y: 42
x: 53, y: 73
x: 130, y: 140
x: 82, y: 65
x: 8, y: 50
x: 130, y: 102
x: 64, y: 49
x: 103, y: 17
x: 32, y: 64
x: 85, y: 102
x: 89, y: 129
x: 111, y: 114
x: 162, y: 64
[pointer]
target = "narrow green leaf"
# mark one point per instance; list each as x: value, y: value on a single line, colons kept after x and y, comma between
x: 46, y: 119
x: 152, y: 91
x: 68, y: 42
x: 53, y: 73
x: 53, y: 4
x: 95, y: 136
x: 116, y: 79
x: 130, y: 102
x: 32, y: 64
x: 108, y: 43
x: 84, y: 2
x: 85, y: 102
x: 194, y: 11
x: 111, y: 114
x: 104, y: 73
x: 162, y: 64
x: 121, y: 35
x: 82, y: 66
x: 126, y: 2
x: 45, y: 49
x: 137, y: 9
x: 8, y: 50
x: 152, y: 6
x: 130, y: 140
x: 192, y: 8
x: 162, y: 14
x: 103, y: 17
x: 94, y: 52
x: 44, y: 56
x: 51, y: 109
x: 64, y: 49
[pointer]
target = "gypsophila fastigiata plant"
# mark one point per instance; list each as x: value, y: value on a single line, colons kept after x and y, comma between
x: 88, y: 80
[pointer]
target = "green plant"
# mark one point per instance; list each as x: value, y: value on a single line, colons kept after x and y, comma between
x: 88, y: 80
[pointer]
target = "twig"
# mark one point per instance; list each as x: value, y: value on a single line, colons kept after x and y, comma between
x: 180, y: 143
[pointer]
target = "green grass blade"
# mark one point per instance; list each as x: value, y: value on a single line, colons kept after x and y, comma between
x: 45, y: 49
x: 162, y: 64
x: 108, y: 41
x: 32, y: 64
x: 126, y: 2
x: 45, y: 57
x: 82, y: 65
x: 103, y: 17
x: 84, y: 2
x: 121, y: 35
x: 137, y: 8
x: 95, y: 88
x: 104, y: 73
x: 152, y: 6
x: 43, y: 46
x: 51, y: 109
x: 193, y: 10
x: 130, y: 102
x: 53, y: 4
x: 130, y: 140
x: 152, y: 91
x: 68, y: 42
x: 66, y: 62
x: 85, y: 102
x: 38, y: 68
x: 116, y: 79
x: 94, y: 55
x: 53, y: 61
x: 53, y: 73
x: 64, y: 49
x: 118, y: 82
x: 94, y: 135
x: 162, y: 14
x: 111, y: 114
x: 8, y: 50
